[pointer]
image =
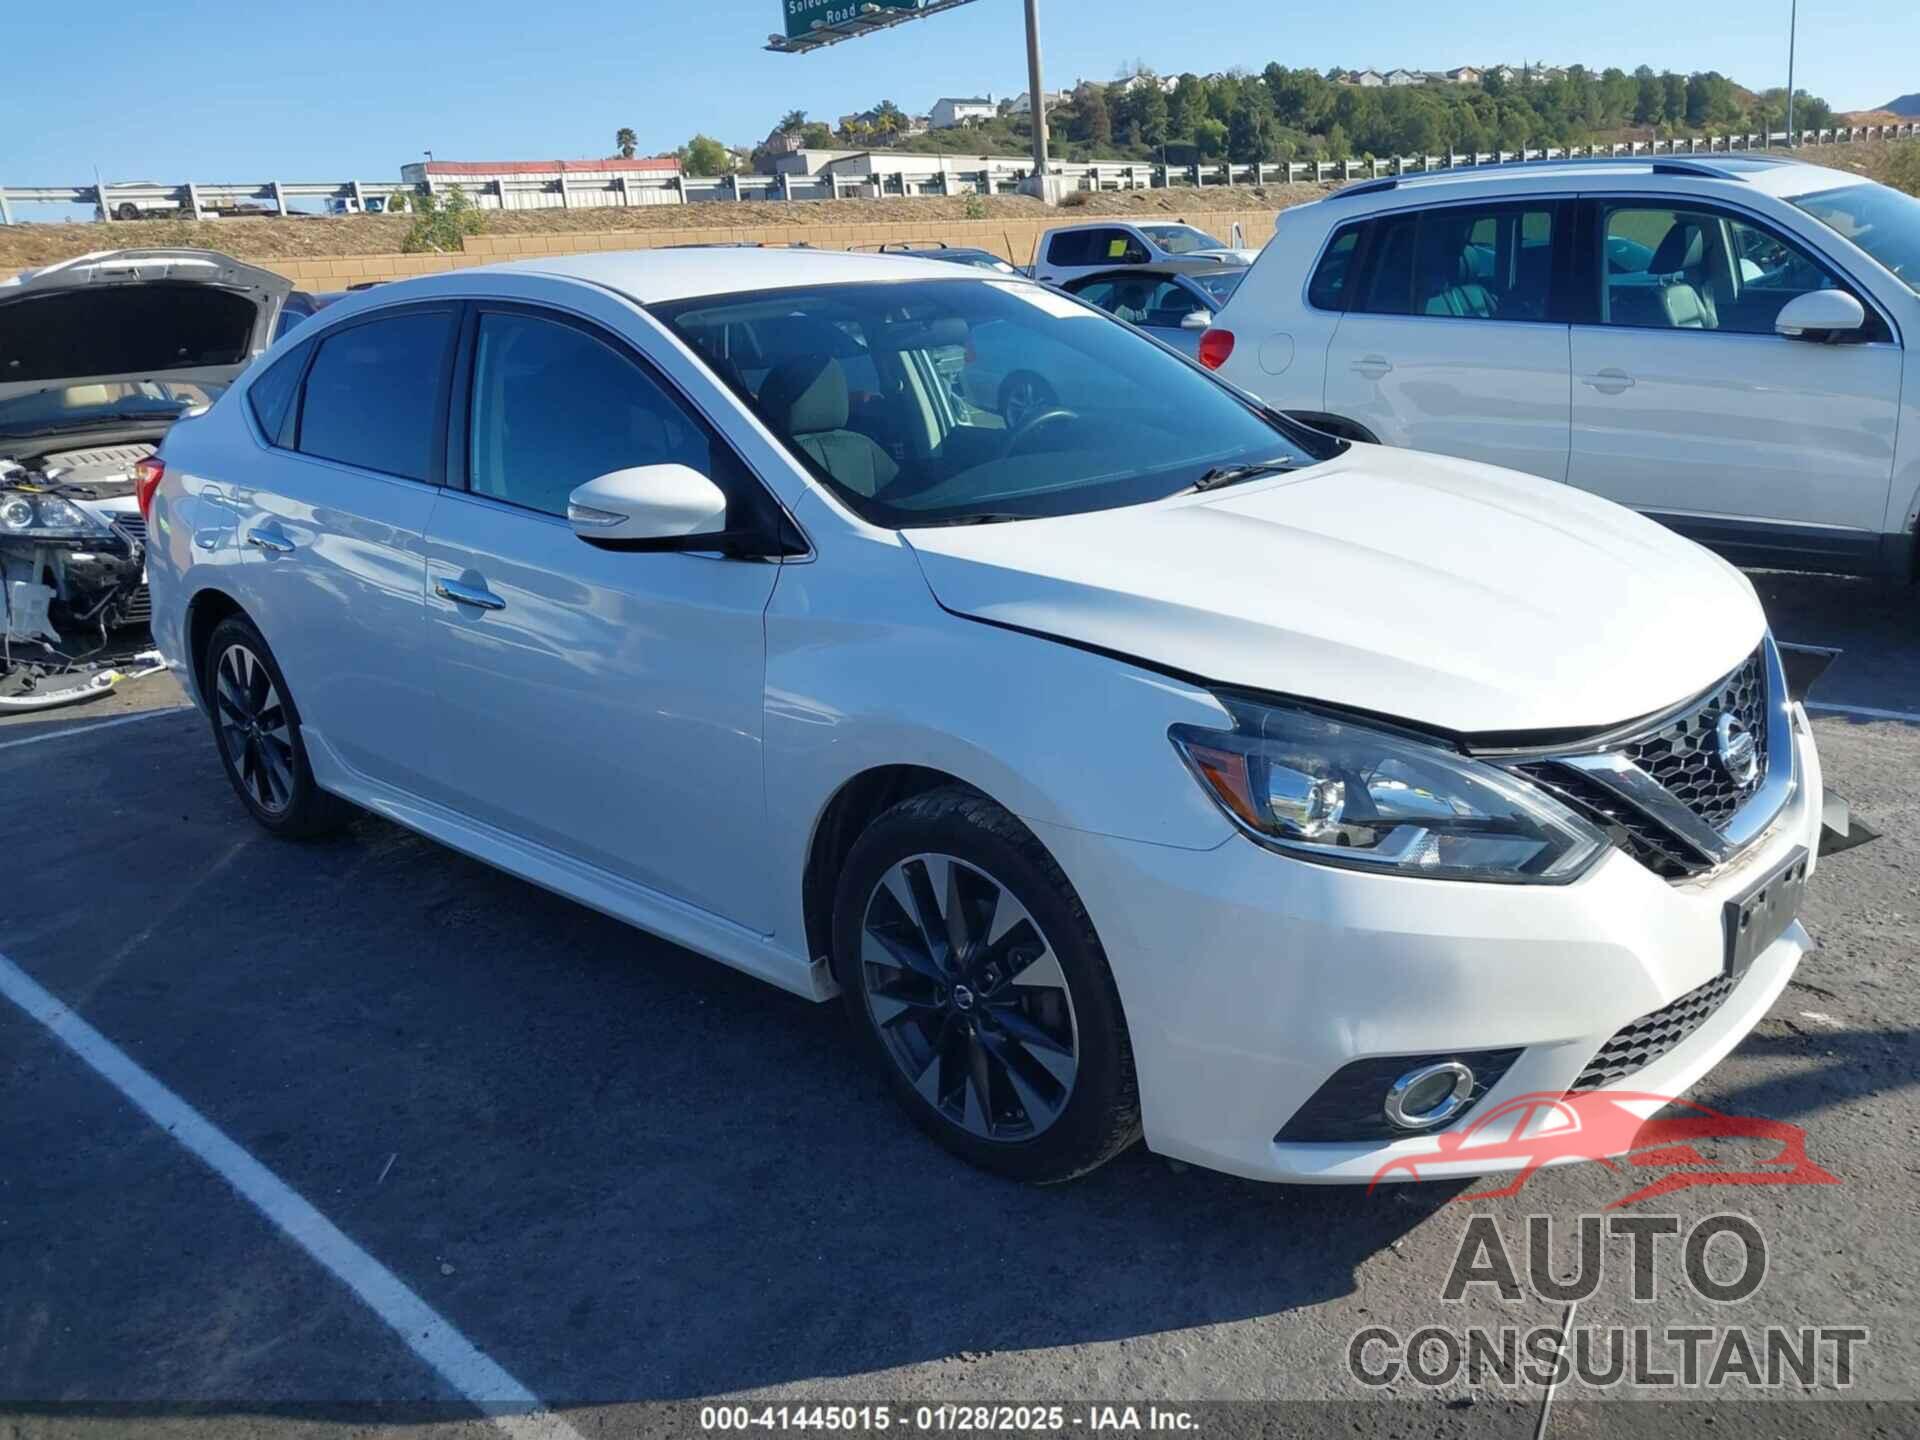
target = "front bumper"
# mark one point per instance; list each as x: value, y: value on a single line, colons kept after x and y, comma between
x: 1249, y: 978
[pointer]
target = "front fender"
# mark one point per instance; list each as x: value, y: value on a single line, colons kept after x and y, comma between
x: 864, y: 670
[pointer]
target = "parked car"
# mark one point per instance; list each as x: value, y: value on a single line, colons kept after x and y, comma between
x: 940, y: 250
x: 301, y: 306
x: 1172, y: 306
x: 1735, y: 367
x: 365, y: 205
x: 1155, y: 764
x: 99, y: 357
x: 1070, y: 251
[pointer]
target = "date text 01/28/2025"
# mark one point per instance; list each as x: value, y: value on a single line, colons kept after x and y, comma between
x: 948, y: 1418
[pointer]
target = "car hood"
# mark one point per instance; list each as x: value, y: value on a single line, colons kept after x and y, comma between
x: 1455, y: 595
x: 217, y: 307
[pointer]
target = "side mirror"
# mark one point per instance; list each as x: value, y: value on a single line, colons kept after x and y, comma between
x: 1196, y: 320
x: 1820, y: 315
x: 650, y: 507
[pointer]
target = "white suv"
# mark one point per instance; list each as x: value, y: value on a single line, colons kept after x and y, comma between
x: 1717, y: 342
x: 1147, y: 763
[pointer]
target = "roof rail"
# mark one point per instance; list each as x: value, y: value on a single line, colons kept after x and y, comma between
x: 1660, y: 165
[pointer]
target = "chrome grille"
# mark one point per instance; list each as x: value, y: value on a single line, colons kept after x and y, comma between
x: 1680, y: 754
x: 1636, y: 1046
x: 1663, y: 794
x: 134, y: 527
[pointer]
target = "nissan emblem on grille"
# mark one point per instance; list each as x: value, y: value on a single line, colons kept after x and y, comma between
x: 1733, y: 743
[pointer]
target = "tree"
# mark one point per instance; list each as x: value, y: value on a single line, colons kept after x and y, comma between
x: 1151, y: 115
x: 626, y: 142
x: 816, y: 136
x: 704, y: 155
x: 1618, y: 94
x: 1338, y: 146
x: 1209, y: 138
x: 441, y: 222
x: 1247, y: 129
x: 1649, y: 105
x: 792, y: 121
x: 1092, y: 121
x: 1673, y: 102
x: 1189, y: 105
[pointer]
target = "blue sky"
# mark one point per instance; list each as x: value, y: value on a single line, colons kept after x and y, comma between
x: 236, y: 90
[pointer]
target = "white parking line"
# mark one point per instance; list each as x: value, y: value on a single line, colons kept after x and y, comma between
x: 510, y: 1405
x: 97, y: 725
x: 1910, y: 716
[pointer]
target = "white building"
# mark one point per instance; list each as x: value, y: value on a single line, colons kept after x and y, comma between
x: 533, y: 184
x: 951, y: 111
x: 1366, y: 79
x: 1023, y: 102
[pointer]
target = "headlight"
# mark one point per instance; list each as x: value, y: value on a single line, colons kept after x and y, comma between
x: 46, y: 517
x: 1338, y: 793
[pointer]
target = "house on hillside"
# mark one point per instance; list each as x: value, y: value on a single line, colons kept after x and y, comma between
x: 950, y: 112
x: 782, y: 142
x: 1464, y: 75
x: 1405, y: 77
x: 1023, y: 102
x: 1366, y: 79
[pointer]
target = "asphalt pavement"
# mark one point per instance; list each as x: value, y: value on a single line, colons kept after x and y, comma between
x: 626, y: 1176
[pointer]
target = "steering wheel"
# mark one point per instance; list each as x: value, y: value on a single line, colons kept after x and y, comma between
x: 1038, y: 420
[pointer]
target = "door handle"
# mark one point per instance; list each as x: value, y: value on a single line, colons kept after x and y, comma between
x: 1372, y: 366
x: 1609, y: 382
x: 478, y: 597
x: 270, y: 541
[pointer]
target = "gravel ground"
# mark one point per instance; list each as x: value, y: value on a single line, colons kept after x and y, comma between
x: 631, y: 1177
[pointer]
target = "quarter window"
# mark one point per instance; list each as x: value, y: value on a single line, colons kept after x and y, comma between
x: 1327, y: 290
x: 372, y: 395
x: 271, y: 396
x: 553, y: 408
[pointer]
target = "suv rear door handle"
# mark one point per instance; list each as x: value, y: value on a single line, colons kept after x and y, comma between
x: 1372, y: 366
x: 476, y: 596
x: 1609, y: 382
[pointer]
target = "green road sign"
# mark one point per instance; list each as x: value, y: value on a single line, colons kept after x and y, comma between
x: 803, y: 15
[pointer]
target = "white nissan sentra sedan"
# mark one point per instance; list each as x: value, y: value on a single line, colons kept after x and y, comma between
x: 1150, y: 766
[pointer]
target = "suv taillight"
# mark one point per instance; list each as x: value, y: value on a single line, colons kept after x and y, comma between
x: 147, y: 475
x: 1215, y: 347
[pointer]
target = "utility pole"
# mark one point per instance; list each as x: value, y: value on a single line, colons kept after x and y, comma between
x: 1036, y: 97
x: 1793, y: 24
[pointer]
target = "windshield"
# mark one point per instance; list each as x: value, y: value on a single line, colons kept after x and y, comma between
x: 117, y: 402
x: 1181, y: 239
x: 1219, y: 287
x: 936, y: 402
x: 1881, y: 221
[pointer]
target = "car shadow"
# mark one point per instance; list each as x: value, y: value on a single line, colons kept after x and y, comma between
x: 624, y: 1171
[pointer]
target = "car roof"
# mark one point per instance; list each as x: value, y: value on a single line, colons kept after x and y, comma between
x: 653, y: 276
x: 1777, y: 175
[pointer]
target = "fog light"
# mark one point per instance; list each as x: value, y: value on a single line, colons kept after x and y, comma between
x: 1429, y: 1096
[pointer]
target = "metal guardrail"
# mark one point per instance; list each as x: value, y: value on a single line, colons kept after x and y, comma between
x: 273, y: 196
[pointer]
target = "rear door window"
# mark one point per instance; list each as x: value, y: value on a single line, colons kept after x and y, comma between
x: 1463, y: 262
x: 372, y: 398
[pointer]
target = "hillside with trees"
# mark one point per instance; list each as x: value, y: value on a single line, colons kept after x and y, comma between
x: 1284, y: 114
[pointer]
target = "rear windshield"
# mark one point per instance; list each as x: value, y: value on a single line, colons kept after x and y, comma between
x: 1881, y: 221
x: 123, y: 330
x: 938, y: 402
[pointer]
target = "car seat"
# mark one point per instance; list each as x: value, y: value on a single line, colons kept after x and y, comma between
x: 1686, y: 295
x: 805, y: 399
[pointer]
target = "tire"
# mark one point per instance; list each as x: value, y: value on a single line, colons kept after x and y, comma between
x: 256, y: 729
x: 1060, y: 1097
x: 126, y: 210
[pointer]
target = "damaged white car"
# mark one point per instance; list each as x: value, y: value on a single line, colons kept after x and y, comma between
x: 99, y: 357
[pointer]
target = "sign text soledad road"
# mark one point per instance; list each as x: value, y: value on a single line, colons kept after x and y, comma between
x: 803, y: 15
